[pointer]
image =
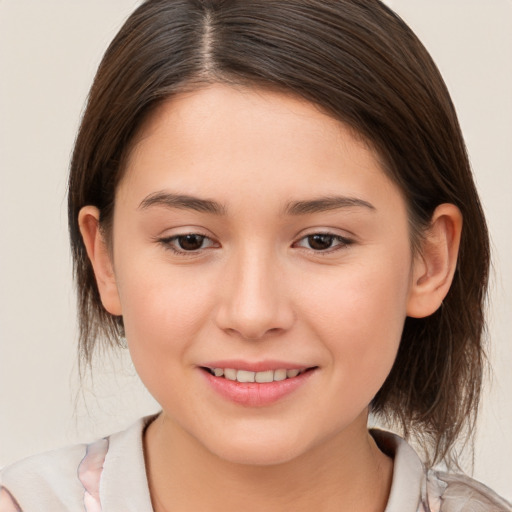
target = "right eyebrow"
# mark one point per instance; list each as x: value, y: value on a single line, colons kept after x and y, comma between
x: 182, y: 201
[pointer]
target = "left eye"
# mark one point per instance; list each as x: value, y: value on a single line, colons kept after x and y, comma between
x: 322, y: 242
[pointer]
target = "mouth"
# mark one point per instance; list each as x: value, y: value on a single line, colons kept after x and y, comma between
x: 256, y: 384
x: 261, y: 377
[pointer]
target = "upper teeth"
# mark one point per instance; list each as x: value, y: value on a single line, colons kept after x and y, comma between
x: 247, y: 376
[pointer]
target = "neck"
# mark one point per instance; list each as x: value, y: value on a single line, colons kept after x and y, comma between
x: 348, y: 472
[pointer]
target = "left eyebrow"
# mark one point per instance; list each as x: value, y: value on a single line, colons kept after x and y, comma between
x: 323, y: 204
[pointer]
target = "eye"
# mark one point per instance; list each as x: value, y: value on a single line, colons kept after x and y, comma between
x: 323, y: 242
x: 192, y: 242
x: 186, y: 243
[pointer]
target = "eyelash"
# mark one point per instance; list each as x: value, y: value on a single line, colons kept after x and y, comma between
x: 169, y: 241
x: 343, y: 242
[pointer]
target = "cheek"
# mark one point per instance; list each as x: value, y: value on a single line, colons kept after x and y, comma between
x: 162, y: 312
x: 361, y: 299
x: 360, y: 315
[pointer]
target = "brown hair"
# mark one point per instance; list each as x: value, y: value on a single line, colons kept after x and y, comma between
x: 359, y: 62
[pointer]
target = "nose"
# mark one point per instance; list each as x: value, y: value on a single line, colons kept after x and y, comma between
x: 253, y: 302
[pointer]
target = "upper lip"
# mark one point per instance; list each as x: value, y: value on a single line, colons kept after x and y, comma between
x: 256, y: 366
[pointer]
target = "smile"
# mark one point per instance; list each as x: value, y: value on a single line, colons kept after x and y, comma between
x: 260, y: 388
x: 260, y: 377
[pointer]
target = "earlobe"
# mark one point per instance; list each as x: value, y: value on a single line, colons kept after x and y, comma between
x: 100, y: 258
x: 435, y: 265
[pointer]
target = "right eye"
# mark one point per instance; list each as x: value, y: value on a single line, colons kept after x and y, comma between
x: 187, y: 243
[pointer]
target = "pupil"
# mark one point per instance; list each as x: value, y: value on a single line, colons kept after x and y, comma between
x: 320, y: 242
x: 190, y: 242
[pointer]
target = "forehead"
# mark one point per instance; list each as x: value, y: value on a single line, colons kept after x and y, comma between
x: 231, y: 141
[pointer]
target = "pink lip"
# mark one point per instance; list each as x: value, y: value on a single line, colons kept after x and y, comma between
x: 254, y: 394
x: 258, y: 366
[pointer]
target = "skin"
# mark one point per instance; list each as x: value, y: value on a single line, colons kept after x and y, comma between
x: 257, y: 290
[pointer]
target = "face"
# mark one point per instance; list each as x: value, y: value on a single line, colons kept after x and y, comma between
x: 256, y: 238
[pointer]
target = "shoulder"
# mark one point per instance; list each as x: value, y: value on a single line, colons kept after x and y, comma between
x: 43, y: 481
x: 453, y: 492
x: 417, y: 489
x: 69, y: 478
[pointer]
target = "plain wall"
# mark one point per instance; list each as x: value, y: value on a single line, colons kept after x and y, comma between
x: 49, y: 51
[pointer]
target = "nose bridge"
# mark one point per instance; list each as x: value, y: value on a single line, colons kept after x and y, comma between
x: 254, y: 300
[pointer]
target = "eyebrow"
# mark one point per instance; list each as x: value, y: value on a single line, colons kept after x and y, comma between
x: 182, y: 201
x: 186, y: 202
x: 326, y: 203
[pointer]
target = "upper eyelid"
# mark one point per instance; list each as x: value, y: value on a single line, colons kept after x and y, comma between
x: 168, y: 243
x: 297, y: 238
x: 326, y: 231
x: 176, y: 232
x: 175, y: 237
x: 343, y: 238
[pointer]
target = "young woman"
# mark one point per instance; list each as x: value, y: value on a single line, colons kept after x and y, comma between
x: 271, y: 204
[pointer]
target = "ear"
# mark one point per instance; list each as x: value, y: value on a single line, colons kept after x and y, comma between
x: 99, y: 255
x: 434, y: 266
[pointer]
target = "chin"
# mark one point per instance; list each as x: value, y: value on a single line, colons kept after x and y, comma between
x: 254, y: 454
x: 258, y: 448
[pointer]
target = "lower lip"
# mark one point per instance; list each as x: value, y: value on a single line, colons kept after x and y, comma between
x: 254, y: 394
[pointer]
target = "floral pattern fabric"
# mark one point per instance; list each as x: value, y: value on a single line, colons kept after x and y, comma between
x: 458, y: 493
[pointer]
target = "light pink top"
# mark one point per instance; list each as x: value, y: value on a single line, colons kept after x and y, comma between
x: 109, y: 476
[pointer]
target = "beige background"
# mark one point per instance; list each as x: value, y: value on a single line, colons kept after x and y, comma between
x: 49, y: 51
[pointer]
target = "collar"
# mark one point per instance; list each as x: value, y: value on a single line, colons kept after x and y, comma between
x: 130, y: 492
x: 409, y: 481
